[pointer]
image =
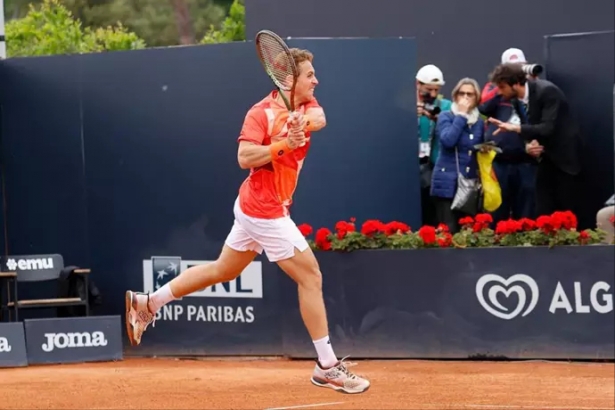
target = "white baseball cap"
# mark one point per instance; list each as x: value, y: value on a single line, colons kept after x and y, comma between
x: 513, y: 55
x: 430, y: 74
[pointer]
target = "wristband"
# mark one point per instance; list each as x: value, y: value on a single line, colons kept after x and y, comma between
x: 308, y: 126
x: 279, y: 149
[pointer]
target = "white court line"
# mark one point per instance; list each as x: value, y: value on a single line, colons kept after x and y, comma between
x: 513, y: 407
x: 302, y: 406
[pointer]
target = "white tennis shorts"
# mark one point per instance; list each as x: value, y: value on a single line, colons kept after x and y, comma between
x: 277, y: 237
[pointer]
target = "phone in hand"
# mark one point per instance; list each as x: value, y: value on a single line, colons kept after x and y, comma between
x: 490, y: 145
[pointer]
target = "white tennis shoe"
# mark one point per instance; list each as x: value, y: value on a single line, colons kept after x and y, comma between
x: 339, y: 378
x: 138, y: 316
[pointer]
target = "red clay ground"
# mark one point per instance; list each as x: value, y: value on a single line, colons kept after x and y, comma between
x: 259, y: 384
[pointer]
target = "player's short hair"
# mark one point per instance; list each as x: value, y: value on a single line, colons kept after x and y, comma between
x: 508, y: 73
x: 300, y: 56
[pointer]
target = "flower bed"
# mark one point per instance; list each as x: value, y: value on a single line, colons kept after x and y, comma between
x: 559, y: 228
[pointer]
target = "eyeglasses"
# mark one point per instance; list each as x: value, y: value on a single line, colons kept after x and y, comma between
x: 465, y: 94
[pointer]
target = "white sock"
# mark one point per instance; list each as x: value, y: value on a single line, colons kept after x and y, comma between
x: 326, y: 357
x: 160, y: 298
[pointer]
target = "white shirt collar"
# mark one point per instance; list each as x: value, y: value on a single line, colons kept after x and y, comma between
x: 526, y: 97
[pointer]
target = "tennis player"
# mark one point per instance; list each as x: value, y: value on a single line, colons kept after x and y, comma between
x: 273, y: 146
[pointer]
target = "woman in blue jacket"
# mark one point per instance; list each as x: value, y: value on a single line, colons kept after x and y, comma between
x: 458, y: 131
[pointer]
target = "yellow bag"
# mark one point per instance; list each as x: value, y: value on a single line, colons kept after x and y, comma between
x: 491, y: 187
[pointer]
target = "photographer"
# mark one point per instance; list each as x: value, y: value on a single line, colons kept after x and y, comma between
x: 430, y: 103
x: 514, y: 168
x: 551, y: 135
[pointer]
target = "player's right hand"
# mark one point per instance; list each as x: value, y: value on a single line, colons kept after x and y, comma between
x: 295, y: 138
x: 296, y: 121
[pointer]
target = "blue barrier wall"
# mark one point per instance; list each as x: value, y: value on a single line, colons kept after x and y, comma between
x: 583, y: 66
x: 536, y: 303
x: 112, y: 158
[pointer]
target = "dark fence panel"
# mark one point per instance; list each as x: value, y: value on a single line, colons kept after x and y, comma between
x: 42, y: 157
x: 583, y: 66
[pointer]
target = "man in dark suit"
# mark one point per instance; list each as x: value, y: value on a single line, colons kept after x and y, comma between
x: 551, y: 135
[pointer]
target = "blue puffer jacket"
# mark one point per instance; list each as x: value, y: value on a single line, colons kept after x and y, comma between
x: 453, y: 132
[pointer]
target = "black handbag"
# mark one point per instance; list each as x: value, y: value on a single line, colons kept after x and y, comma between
x: 468, y: 196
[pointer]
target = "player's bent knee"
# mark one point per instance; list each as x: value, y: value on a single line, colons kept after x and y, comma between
x: 309, y: 278
x: 303, y: 269
x: 312, y: 279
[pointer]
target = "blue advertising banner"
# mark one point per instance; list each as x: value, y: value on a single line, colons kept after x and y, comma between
x: 505, y: 302
x: 12, y: 345
x: 74, y: 340
x: 237, y: 317
x: 517, y: 303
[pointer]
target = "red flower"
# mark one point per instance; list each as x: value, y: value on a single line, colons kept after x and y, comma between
x: 527, y: 224
x: 468, y: 220
x: 428, y: 234
x: 612, y: 219
x: 442, y: 228
x: 583, y: 237
x: 563, y: 220
x: 343, y: 227
x: 372, y: 227
x: 445, y: 241
x: 508, y: 227
x: 305, y: 229
x: 322, y: 239
x: 483, y: 219
x: 545, y: 224
x: 395, y: 227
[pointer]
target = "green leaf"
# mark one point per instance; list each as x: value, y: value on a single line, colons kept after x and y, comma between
x: 51, y: 29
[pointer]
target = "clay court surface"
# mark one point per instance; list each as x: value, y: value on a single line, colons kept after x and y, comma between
x: 268, y: 384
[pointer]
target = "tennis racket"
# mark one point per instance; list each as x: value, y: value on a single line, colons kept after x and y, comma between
x: 279, y: 64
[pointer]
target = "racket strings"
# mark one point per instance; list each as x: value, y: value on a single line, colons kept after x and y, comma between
x: 277, y: 61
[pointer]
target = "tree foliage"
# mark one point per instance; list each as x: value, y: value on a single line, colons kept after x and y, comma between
x: 52, y: 29
x: 155, y: 21
x: 233, y: 27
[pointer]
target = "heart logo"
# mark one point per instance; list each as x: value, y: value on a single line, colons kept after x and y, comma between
x: 495, y: 283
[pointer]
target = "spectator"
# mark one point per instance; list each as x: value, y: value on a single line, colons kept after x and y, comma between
x: 551, y: 135
x: 429, y: 81
x: 514, y: 168
x: 459, y: 130
x: 604, y: 219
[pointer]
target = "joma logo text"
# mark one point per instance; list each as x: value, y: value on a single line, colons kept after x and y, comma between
x: 5, y: 347
x: 71, y: 340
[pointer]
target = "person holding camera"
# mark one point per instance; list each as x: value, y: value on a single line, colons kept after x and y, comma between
x: 514, y: 168
x: 551, y: 135
x: 430, y: 103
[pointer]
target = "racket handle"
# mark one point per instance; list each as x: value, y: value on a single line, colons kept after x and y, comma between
x: 293, y: 115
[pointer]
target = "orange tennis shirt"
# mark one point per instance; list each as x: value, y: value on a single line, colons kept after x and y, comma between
x: 267, y: 192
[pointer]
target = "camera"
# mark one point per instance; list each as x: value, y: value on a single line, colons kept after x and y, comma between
x: 428, y: 104
x: 532, y: 69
